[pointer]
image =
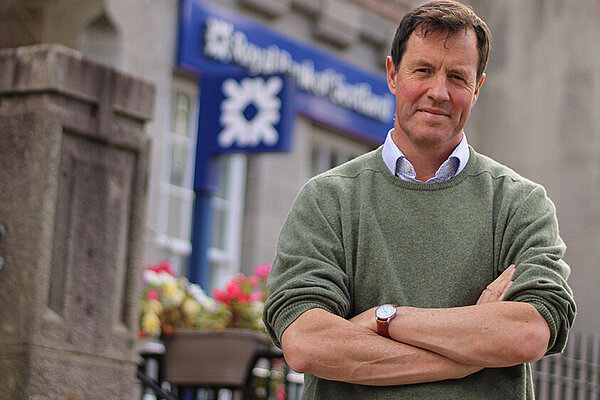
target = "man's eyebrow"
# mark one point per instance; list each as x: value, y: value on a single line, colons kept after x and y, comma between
x: 421, y: 62
x: 459, y: 68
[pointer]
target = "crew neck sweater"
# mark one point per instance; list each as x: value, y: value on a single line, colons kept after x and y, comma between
x: 357, y: 237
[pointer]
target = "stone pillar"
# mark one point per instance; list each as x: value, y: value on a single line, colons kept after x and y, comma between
x: 73, y: 182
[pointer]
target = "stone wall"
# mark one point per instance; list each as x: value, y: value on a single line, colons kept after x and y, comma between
x: 73, y: 162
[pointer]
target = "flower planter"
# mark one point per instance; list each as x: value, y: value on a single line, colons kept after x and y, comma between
x: 211, y: 358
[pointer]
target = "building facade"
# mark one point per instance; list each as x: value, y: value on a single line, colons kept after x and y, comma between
x: 325, y: 52
x: 536, y: 113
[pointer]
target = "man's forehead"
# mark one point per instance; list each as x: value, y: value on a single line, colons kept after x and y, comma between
x: 447, y: 37
x: 466, y: 56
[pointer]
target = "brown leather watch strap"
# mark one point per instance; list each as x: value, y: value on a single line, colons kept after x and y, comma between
x: 382, y: 327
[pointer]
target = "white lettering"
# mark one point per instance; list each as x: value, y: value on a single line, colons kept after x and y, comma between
x: 225, y: 44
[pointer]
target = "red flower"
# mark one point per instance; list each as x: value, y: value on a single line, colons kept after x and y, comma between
x: 240, y: 295
x: 234, y: 290
x: 220, y: 296
x: 163, y: 266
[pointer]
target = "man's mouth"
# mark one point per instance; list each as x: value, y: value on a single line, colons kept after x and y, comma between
x: 434, y: 111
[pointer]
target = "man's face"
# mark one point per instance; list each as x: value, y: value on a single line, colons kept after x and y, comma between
x: 436, y: 87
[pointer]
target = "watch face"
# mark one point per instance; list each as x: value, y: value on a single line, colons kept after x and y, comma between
x: 385, y: 311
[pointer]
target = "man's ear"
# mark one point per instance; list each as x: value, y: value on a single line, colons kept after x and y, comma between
x: 391, y: 74
x: 476, y: 93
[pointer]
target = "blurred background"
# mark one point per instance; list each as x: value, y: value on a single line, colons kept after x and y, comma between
x: 253, y: 97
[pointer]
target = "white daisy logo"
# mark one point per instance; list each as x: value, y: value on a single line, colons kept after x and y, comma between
x: 250, y: 112
x: 217, y: 38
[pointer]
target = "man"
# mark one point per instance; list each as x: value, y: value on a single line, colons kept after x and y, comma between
x: 467, y: 249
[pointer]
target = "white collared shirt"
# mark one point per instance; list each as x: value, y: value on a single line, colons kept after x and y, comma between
x: 399, y: 165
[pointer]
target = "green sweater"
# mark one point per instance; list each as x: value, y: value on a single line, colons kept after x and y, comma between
x: 358, y: 237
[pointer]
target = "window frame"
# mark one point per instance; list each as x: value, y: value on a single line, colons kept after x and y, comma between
x: 178, y: 245
x: 226, y: 262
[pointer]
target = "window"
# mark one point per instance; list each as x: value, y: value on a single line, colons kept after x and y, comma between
x: 177, y: 194
x: 328, y: 150
x: 228, y: 208
x: 323, y: 158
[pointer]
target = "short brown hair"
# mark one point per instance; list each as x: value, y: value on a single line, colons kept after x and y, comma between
x: 445, y: 16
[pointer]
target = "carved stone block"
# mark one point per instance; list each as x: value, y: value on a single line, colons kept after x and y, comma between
x: 73, y: 162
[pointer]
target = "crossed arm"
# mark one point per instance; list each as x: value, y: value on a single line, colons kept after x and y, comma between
x: 427, y: 344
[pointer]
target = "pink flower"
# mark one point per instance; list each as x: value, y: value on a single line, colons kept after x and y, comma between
x: 262, y: 271
x: 280, y: 393
x: 256, y: 296
x: 153, y: 294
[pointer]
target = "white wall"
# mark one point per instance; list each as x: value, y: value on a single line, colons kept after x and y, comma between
x: 538, y: 112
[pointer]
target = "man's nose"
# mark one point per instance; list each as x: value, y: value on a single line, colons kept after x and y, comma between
x: 438, y: 89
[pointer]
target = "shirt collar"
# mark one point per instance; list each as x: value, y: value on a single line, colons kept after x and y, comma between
x: 393, y: 157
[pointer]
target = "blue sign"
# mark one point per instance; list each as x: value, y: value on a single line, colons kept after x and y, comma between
x: 248, y: 113
x: 215, y: 40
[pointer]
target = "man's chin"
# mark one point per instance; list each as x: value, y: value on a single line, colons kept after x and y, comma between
x: 436, y: 140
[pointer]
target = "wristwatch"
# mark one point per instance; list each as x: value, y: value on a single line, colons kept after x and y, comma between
x: 383, y: 315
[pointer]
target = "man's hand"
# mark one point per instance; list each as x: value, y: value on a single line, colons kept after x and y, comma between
x: 366, y: 319
x: 496, y: 290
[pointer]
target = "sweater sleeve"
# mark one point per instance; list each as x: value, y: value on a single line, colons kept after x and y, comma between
x: 308, y: 269
x: 531, y: 241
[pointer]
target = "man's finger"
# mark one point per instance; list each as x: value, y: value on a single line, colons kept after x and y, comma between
x: 507, y: 282
x: 508, y: 285
x: 496, y: 290
x: 500, y: 282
